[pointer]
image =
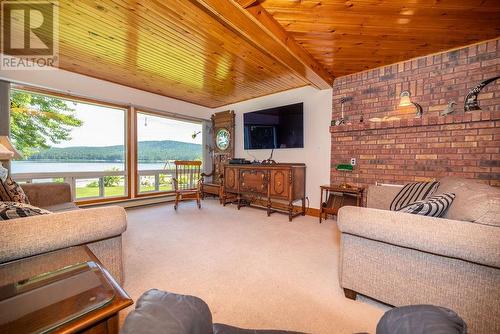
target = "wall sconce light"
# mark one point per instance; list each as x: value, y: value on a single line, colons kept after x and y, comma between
x: 195, y: 134
x: 405, y: 101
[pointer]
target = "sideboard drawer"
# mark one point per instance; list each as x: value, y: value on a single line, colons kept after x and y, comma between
x: 254, y: 181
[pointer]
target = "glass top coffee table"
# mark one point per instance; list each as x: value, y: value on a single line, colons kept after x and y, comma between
x: 65, y: 291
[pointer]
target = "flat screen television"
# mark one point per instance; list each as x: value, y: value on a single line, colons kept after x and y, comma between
x: 280, y: 127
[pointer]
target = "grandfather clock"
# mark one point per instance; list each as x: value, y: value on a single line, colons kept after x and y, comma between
x: 223, y: 150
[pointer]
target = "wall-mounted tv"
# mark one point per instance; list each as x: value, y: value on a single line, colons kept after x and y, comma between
x: 280, y: 127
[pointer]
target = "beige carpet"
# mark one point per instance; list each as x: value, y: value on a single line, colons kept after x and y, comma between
x: 253, y: 271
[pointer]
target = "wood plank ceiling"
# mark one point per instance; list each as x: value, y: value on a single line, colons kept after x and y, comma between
x: 356, y: 35
x: 172, y: 48
x: 175, y: 48
x: 217, y: 52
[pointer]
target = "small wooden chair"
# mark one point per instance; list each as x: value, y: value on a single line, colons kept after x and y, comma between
x: 214, y: 187
x: 187, y: 182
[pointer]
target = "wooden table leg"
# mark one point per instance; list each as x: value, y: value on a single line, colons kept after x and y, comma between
x: 321, y: 206
x: 351, y: 294
x: 303, y: 206
x: 113, y: 324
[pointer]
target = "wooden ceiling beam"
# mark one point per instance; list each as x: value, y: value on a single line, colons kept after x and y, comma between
x: 246, y: 3
x: 260, y: 28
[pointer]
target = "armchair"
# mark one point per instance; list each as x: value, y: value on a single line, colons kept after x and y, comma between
x: 214, y: 186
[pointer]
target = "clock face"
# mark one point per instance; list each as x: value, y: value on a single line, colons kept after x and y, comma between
x: 222, y: 139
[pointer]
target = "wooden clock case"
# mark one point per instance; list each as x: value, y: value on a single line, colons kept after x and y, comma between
x: 220, y: 120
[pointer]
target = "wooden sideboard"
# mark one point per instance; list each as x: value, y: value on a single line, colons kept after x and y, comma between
x: 275, y: 186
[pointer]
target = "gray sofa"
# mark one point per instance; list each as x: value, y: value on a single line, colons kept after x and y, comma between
x: 99, y: 228
x: 403, y: 259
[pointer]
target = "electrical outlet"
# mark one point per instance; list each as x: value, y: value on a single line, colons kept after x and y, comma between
x: 353, y: 161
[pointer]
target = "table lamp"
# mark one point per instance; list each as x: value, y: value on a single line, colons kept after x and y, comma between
x: 344, y: 168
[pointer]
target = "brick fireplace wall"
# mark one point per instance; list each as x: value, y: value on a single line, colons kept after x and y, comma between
x: 402, y: 148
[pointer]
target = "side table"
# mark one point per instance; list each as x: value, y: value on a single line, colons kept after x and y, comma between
x: 65, y: 291
x: 333, y: 197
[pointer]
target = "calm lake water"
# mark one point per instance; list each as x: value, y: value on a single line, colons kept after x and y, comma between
x: 58, y: 166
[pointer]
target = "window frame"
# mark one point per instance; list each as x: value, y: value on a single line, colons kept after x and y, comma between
x: 131, y: 144
x: 127, y: 130
x: 146, y: 111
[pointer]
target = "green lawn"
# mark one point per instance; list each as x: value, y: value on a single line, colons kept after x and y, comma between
x: 85, y: 192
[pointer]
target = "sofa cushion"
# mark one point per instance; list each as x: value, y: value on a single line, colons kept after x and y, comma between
x: 10, y: 191
x: 421, y: 319
x: 159, y: 312
x: 474, y: 201
x: 14, y: 210
x: 413, y: 192
x: 434, y: 206
x: 227, y: 329
x: 62, y: 207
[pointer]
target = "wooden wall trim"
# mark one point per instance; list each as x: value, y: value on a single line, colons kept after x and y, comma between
x: 130, y: 146
x: 135, y: 177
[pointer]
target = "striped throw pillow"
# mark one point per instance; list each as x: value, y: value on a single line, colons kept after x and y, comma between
x: 434, y: 206
x: 413, y: 192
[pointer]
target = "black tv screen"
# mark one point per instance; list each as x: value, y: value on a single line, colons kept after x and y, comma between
x: 280, y: 127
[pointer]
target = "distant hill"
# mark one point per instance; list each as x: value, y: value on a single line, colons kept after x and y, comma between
x: 149, y: 151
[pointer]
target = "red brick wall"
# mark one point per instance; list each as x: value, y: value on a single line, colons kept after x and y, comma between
x: 409, y: 148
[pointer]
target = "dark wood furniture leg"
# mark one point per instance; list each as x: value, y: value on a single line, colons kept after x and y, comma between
x: 176, y: 205
x: 321, y: 206
x: 350, y: 294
